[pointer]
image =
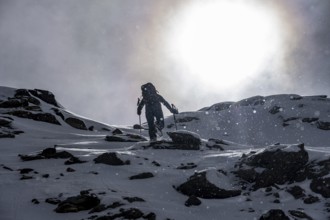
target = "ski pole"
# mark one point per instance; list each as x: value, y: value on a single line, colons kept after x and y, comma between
x: 173, y: 107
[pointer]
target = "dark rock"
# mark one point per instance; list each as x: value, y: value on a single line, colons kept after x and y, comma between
x: 33, y: 100
x: 311, y: 199
x: 45, y: 96
x: 43, y: 117
x: 63, y: 155
x: 24, y: 177
x: 45, y: 176
x: 300, y: 214
x: 14, y: 103
x: 48, y: 152
x: 99, y: 208
x: 142, y: 176
x: 192, y: 201
x: 115, y: 205
x: 110, y: 159
x: 156, y: 163
x: 275, y: 110
x: 78, y: 203
x: 186, y: 119
x: 187, y: 166
x: 91, y: 128
x: 6, y: 135
x: 58, y: 113
x: 280, y: 164
x: 321, y: 186
x: 74, y: 160
x: 53, y: 201
x: 35, y: 201
x: 168, y: 145
x: 296, y: 191
x: 69, y: 169
x: 186, y: 138
x: 274, y: 214
x: 25, y: 170
x: 252, y: 101
x: 290, y: 119
x: 198, y: 185
x: 19, y: 93
x: 125, y: 138
x: 117, y: 131
x: 150, y: 216
x: 133, y: 199
x: 323, y: 125
x: 5, y: 122
x: 6, y: 168
x: 309, y: 120
x: 31, y: 157
x: 76, y: 123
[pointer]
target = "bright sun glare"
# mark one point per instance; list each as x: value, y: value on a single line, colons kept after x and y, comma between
x: 224, y: 43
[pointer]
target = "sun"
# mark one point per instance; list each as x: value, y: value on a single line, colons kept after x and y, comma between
x: 224, y: 43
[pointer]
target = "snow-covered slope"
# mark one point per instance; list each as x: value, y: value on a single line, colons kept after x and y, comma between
x: 224, y: 163
x: 263, y: 120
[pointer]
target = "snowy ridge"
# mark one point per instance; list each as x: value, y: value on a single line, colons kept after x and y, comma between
x: 260, y: 158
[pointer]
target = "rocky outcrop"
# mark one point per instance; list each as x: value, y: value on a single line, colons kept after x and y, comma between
x: 279, y: 164
x: 321, y: 186
x: 198, y: 185
x: 44, y: 117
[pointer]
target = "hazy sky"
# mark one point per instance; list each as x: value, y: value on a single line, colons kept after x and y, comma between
x: 95, y: 55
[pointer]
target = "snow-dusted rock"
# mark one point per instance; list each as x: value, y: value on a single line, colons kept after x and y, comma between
x: 275, y: 165
x: 198, y: 185
x: 76, y: 123
x: 110, y: 159
x: 186, y: 138
x: 78, y: 203
x: 274, y: 214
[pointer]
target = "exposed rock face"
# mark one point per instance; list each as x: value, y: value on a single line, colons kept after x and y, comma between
x: 280, y: 164
x: 78, y: 203
x: 45, y: 96
x: 199, y: 186
x: 110, y: 159
x: 44, y: 117
x: 76, y: 123
x: 188, y: 139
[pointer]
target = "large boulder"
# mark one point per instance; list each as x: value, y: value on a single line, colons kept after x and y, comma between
x: 280, y: 164
x: 110, y: 159
x: 76, y: 123
x: 187, y: 138
x: 198, y: 185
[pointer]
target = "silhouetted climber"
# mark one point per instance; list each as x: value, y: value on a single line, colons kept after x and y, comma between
x: 151, y: 99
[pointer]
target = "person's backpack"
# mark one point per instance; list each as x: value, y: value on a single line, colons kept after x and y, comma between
x: 149, y: 92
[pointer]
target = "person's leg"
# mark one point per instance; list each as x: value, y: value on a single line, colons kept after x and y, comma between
x: 151, y: 124
x: 159, y: 119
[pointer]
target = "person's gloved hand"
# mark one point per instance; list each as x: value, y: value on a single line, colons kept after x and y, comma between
x: 174, y: 111
x: 139, y: 111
